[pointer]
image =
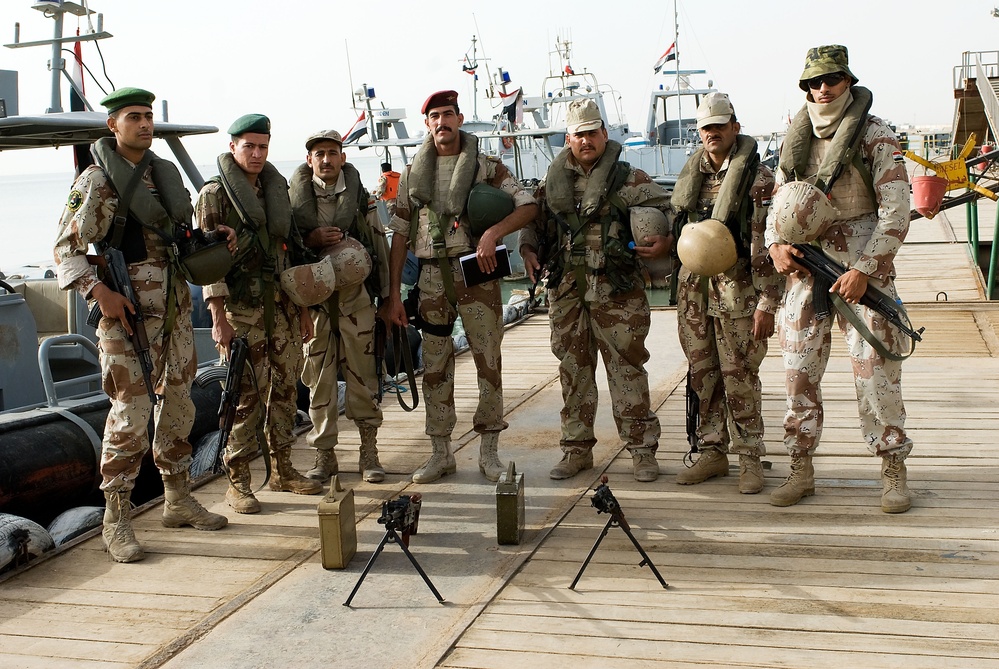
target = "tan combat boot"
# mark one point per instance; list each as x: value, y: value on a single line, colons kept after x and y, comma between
x: 750, y: 474
x: 326, y: 465
x: 371, y: 470
x: 710, y: 464
x: 239, y: 495
x: 645, y: 465
x: 571, y: 464
x: 180, y: 507
x: 119, y: 539
x: 801, y: 482
x: 441, y: 462
x: 285, y: 478
x: 895, y: 488
x: 489, y: 462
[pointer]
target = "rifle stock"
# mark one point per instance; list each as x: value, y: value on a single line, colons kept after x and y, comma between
x: 238, y: 350
x: 116, y: 278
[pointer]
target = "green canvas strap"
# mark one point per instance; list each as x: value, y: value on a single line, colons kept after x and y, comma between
x: 440, y: 252
x: 865, y: 332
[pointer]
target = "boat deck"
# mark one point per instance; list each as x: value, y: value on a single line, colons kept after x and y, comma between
x: 830, y: 582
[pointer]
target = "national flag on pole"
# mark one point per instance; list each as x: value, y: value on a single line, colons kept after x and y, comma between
x: 666, y: 57
x: 513, y: 106
x: 81, y: 152
x: 358, y: 130
x: 468, y: 67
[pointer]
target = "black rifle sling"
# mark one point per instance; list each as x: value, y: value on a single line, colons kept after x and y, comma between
x: 403, y: 357
x: 125, y: 200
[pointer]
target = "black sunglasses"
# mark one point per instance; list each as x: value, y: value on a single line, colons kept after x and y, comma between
x: 830, y: 80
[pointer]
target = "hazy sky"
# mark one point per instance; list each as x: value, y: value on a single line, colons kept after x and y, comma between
x: 216, y: 60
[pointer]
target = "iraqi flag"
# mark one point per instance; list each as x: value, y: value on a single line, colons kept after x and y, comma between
x: 666, y: 57
x: 468, y: 67
x: 358, y: 130
x: 513, y: 106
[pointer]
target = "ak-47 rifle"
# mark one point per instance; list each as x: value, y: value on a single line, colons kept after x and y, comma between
x: 693, y: 411
x: 116, y: 278
x: 238, y: 350
x: 826, y: 271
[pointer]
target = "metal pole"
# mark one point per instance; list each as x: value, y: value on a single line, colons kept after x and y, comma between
x: 55, y: 66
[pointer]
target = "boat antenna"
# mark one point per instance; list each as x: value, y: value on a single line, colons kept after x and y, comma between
x: 350, y: 76
x: 676, y: 61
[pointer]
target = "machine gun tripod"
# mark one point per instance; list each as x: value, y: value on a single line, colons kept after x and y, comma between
x: 605, y: 502
x: 401, y: 518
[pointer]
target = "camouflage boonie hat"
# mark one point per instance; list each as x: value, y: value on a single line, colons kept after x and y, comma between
x: 350, y: 262
x: 309, y: 285
x: 647, y: 222
x: 802, y: 212
x: 825, y: 60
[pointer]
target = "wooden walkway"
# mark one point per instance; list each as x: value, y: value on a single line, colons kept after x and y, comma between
x: 830, y: 582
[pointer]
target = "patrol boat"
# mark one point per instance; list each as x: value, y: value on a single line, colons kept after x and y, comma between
x: 52, y: 408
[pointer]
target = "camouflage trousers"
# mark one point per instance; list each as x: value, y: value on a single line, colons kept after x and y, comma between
x: 616, y: 326
x: 805, y: 342
x: 724, y: 364
x: 126, y: 436
x: 351, y: 351
x: 482, y: 316
x: 267, y: 403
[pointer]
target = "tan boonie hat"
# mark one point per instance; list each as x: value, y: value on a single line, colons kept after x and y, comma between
x: 714, y: 108
x: 323, y: 136
x: 825, y: 60
x: 583, y: 116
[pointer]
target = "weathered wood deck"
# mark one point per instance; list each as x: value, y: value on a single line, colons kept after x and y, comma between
x: 831, y: 582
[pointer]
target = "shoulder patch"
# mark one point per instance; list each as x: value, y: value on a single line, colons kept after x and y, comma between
x: 75, y: 200
x: 898, y: 156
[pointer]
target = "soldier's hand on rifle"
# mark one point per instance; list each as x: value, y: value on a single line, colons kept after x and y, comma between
x: 222, y: 332
x: 305, y: 324
x: 229, y: 235
x: 763, y: 325
x: 851, y: 286
x: 113, y: 305
x: 783, y: 257
x: 654, y: 246
x: 531, y: 264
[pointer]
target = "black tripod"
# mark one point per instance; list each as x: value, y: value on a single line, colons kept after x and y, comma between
x: 399, y: 514
x: 605, y: 502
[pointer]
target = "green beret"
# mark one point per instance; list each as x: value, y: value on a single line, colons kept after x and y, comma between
x: 127, y: 97
x: 250, y: 123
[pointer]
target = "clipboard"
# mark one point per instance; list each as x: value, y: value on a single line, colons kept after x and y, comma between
x: 473, y: 276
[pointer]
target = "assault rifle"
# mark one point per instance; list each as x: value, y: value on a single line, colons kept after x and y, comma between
x: 116, y: 278
x: 693, y: 413
x: 239, y: 347
x: 826, y: 271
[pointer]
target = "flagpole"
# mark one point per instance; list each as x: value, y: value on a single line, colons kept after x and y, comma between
x: 676, y: 60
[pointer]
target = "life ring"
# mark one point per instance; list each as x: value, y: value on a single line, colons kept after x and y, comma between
x: 507, y: 142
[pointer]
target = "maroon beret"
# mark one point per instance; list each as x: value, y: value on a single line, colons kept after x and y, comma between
x: 440, y: 99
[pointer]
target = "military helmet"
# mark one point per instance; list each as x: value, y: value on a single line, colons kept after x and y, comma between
x: 646, y: 222
x: 707, y: 247
x: 487, y: 206
x: 801, y: 212
x: 309, y: 285
x: 350, y: 261
x: 208, y: 264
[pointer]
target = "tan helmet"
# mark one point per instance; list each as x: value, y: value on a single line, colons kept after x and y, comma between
x: 801, y: 212
x: 351, y: 262
x: 309, y: 285
x: 646, y: 222
x: 706, y: 247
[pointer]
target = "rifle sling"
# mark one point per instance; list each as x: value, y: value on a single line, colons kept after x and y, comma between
x: 403, y: 357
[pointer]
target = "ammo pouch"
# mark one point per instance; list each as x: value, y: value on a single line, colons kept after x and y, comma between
x: 412, y: 305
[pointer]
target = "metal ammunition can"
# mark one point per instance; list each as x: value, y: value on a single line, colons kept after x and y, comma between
x: 510, y: 506
x: 337, y: 528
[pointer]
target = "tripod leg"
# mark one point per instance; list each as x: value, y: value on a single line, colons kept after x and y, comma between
x: 367, y: 567
x: 426, y: 579
x: 645, y: 558
x: 593, y: 550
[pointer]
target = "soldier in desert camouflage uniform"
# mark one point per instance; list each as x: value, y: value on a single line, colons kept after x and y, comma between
x: 872, y: 221
x: 250, y: 303
x: 166, y: 309
x: 724, y: 321
x: 595, y: 289
x: 439, y: 181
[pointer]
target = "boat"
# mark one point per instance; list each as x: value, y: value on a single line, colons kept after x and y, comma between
x: 52, y: 408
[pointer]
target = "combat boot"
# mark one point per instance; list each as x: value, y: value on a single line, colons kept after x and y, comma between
x: 644, y: 462
x: 285, y: 478
x: 895, y: 488
x: 119, y: 539
x: 371, y: 470
x: 801, y: 482
x: 441, y: 462
x: 750, y: 474
x: 180, y: 507
x: 571, y: 464
x: 326, y: 465
x: 239, y: 495
x: 710, y: 464
x: 489, y: 462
